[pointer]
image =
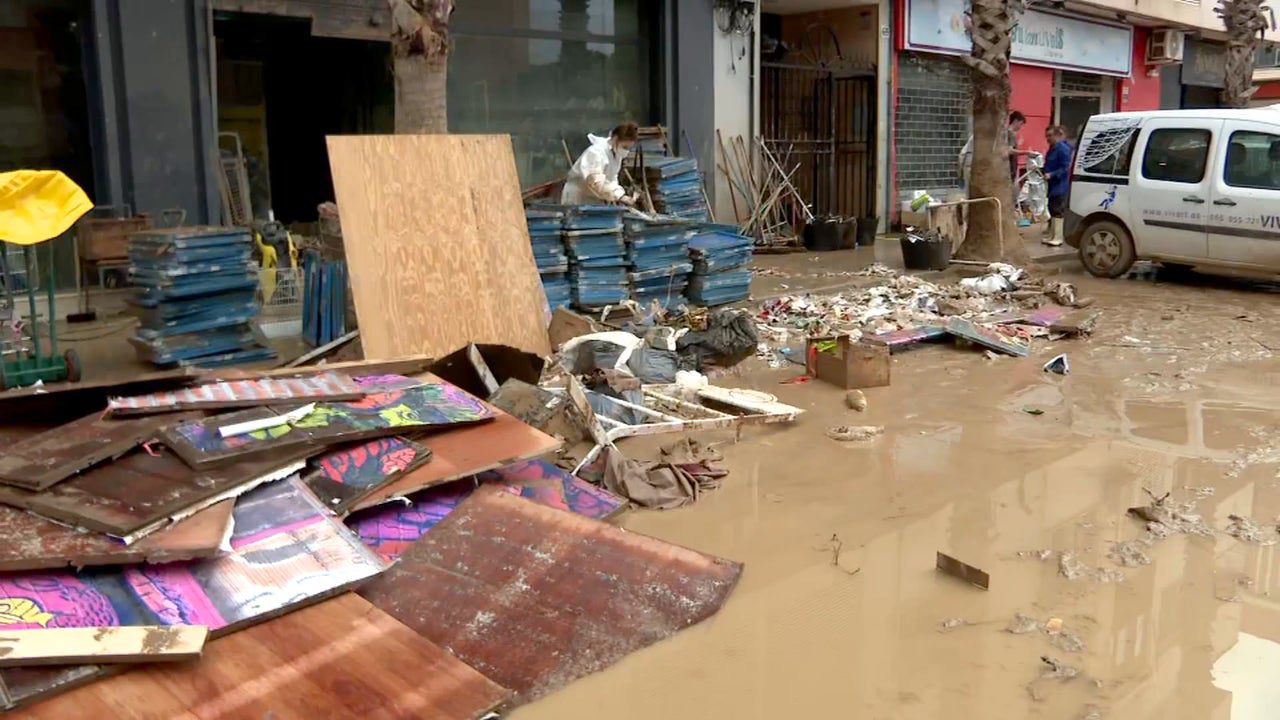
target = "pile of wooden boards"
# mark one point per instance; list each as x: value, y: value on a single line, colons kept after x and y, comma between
x: 247, y: 509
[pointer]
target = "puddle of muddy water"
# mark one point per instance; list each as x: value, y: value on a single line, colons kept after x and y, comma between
x: 962, y: 469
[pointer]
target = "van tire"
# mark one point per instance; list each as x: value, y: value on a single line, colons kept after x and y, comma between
x: 1106, y: 249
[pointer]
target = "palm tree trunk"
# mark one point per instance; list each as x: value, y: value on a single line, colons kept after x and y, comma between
x: 991, y: 26
x: 420, y: 55
x: 1245, y: 28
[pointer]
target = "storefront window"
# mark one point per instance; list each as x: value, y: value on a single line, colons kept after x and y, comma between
x: 548, y: 71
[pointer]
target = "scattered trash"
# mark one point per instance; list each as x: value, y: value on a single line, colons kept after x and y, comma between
x: 855, y: 400
x: 1246, y: 530
x: 1057, y: 670
x: 1058, y: 365
x: 950, y: 624
x: 963, y: 571
x: 846, y: 363
x: 1041, y: 555
x: 1053, y: 625
x: 1032, y: 411
x: 855, y: 433
x: 1131, y: 553
x: 1023, y: 625
x: 1066, y: 641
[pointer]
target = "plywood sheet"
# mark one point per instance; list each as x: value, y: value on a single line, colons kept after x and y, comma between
x: 287, y: 553
x: 391, y: 529
x: 46, y: 459
x: 69, y: 646
x: 437, y: 243
x: 329, y: 386
x: 28, y: 542
x: 343, y: 477
x: 466, y: 451
x: 535, y: 598
x: 341, y: 658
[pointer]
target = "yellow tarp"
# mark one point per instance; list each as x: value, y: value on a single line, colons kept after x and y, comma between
x: 37, y: 205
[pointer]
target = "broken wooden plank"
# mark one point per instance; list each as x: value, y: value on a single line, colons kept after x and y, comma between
x: 321, y: 351
x: 963, y: 571
x: 46, y: 459
x: 76, y: 645
x: 340, y: 658
x: 28, y: 542
x: 535, y: 598
x: 342, y: 478
x: 327, y: 386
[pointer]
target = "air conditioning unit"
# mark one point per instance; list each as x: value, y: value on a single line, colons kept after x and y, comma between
x: 1165, y: 47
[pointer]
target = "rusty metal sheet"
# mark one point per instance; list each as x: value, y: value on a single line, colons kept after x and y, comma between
x: 46, y: 459
x: 341, y: 658
x: 141, y: 491
x: 31, y: 543
x: 328, y: 386
x: 535, y: 597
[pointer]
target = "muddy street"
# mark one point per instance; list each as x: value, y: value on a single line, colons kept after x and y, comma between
x: 1091, y: 612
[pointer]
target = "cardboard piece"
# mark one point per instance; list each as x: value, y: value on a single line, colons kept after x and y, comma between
x: 852, y: 365
x: 46, y: 459
x: 535, y: 598
x: 437, y: 243
x: 72, y: 646
x: 481, y: 369
x: 567, y: 325
x: 287, y: 553
x: 340, y: 659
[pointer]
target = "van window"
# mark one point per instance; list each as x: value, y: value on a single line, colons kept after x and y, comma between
x: 1114, y: 149
x: 1176, y: 155
x: 1253, y: 161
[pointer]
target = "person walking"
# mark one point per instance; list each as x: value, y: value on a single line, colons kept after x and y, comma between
x: 1057, y: 169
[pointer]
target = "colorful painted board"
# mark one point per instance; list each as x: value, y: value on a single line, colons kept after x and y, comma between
x: 390, y: 530
x: 342, y: 658
x: 31, y: 543
x: 906, y: 337
x: 466, y: 451
x: 343, y: 477
x: 143, y: 492
x: 987, y: 337
x: 432, y: 405
x: 328, y: 386
x: 535, y: 598
x: 1045, y: 316
x: 43, y: 460
x: 287, y: 553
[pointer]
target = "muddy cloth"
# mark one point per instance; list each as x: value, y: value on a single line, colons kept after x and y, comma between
x: 729, y: 339
x: 682, y: 473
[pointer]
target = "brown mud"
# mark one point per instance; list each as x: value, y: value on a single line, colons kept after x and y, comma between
x: 1178, y: 391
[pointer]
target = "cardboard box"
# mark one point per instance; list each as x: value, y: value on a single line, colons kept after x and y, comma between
x: 849, y: 364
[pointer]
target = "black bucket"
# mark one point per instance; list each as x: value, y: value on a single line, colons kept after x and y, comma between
x: 867, y: 230
x: 925, y: 253
x: 824, y: 233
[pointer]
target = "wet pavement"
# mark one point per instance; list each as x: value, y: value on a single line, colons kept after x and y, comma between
x: 1178, y: 391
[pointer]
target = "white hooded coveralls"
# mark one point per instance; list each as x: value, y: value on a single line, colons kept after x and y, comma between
x: 594, y: 178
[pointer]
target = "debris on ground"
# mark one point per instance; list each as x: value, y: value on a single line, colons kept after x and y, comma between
x: 1032, y: 411
x: 1041, y: 555
x: 1131, y: 553
x: 855, y: 433
x: 1066, y: 641
x: 1023, y: 625
x: 1069, y: 567
x: 1057, y: 670
x: 963, y: 571
x: 1247, y: 530
x: 1058, y: 365
x: 952, y: 624
x: 683, y: 471
x: 855, y: 400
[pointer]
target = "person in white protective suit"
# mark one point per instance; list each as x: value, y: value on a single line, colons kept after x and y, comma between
x: 593, y: 179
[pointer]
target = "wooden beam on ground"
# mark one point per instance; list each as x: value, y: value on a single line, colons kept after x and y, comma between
x: 101, y: 645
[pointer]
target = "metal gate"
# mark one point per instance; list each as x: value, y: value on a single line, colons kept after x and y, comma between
x: 823, y: 124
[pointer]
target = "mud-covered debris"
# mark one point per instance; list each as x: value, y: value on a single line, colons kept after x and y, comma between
x: 950, y: 624
x: 1179, y: 517
x: 1131, y: 553
x: 1057, y: 670
x: 1032, y: 411
x: 1023, y: 625
x: 855, y: 433
x: 1067, y: 641
x: 1041, y: 555
x: 1201, y: 493
x: 1069, y: 567
x: 855, y: 400
x: 1059, y: 365
x: 1053, y: 625
x: 1246, y: 530
x: 1092, y: 712
x: 1108, y: 576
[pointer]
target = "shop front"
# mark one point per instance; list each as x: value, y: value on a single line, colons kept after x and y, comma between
x: 1204, y: 69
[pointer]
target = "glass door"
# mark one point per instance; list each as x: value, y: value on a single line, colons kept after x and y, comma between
x: 1077, y: 97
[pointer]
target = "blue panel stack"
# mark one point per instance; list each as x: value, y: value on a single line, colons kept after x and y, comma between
x: 597, y: 255
x: 676, y: 187
x: 658, y: 251
x: 196, y: 296
x: 545, y: 226
x: 720, y: 256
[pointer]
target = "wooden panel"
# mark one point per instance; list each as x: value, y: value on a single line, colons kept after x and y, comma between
x: 437, y: 243
x: 341, y: 659
x: 48, y: 458
x: 466, y: 451
x: 31, y: 543
x: 68, y: 646
x: 534, y: 597
x: 343, y: 477
x: 328, y: 386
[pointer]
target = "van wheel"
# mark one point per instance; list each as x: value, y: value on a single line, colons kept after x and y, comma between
x: 1106, y: 249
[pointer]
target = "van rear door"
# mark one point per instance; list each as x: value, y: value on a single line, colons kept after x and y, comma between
x: 1171, y: 187
x: 1244, y: 219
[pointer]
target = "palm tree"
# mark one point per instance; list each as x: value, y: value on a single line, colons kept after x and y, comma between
x: 991, y: 26
x: 1245, y: 28
x: 420, y: 53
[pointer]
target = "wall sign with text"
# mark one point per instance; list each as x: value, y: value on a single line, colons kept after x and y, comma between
x: 1041, y: 38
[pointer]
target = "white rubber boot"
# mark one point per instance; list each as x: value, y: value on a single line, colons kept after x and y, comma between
x: 1055, y: 239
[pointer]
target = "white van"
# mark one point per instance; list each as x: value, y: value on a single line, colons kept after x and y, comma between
x: 1183, y: 187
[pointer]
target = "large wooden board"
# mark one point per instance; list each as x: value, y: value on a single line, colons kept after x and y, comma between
x: 342, y: 658
x: 46, y: 459
x: 69, y: 646
x: 535, y: 597
x: 437, y: 243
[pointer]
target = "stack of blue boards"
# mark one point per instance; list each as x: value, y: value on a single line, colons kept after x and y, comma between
x: 196, y: 296
x: 545, y: 227
x: 658, y: 253
x: 720, y: 255
x: 676, y: 187
x: 597, y: 255
x: 324, y: 299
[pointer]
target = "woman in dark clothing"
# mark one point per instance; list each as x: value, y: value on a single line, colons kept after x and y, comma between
x: 1057, y: 170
